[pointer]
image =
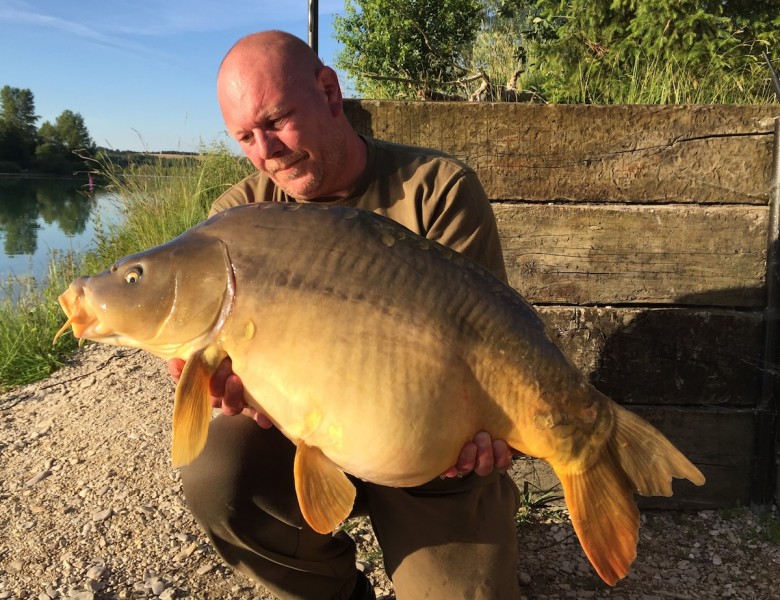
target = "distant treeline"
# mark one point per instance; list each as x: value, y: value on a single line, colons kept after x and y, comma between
x: 126, y: 158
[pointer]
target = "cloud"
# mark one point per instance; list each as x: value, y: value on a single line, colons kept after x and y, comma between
x: 86, y: 27
x: 106, y: 23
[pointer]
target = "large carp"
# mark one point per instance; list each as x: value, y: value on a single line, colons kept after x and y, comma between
x: 378, y: 353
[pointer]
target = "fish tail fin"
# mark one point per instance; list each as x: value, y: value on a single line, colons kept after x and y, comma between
x: 192, y: 407
x: 647, y: 457
x: 637, y: 458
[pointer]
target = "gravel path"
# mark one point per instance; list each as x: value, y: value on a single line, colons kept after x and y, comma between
x: 90, y: 508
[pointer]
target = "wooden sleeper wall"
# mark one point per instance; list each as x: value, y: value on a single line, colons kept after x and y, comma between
x: 640, y: 233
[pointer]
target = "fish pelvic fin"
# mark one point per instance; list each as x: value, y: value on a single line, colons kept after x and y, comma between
x: 637, y: 458
x: 192, y: 407
x: 325, y: 493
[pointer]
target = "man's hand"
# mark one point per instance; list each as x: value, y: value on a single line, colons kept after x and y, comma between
x: 226, y: 391
x: 482, y: 456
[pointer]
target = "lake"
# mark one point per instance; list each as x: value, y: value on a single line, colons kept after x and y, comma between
x: 38, y: 216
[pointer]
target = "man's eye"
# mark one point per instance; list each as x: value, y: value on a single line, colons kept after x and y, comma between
x: 279, y: 123
x: 246, y: 139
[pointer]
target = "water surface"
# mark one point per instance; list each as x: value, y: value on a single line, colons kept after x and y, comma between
x: 39, y: 216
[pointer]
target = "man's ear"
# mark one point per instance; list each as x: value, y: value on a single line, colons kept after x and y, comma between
x: 328, y: 80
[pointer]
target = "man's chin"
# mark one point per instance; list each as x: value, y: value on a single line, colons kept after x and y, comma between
x: 300, y: 187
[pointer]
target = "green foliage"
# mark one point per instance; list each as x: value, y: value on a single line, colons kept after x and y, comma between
x: 18, y: 135
x: 595, y: 51
x: 17, y: 107
x: 405, y: 48
x: 534, y: 501
x: 29, y: 318
x: 601, y: 51
x: 498, y: 53
x: 49, y: 149
x: 59, y: 143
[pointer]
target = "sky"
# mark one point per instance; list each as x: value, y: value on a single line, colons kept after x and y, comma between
x: 140, y: 72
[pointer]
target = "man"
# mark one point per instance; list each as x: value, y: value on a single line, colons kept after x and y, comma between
x: 451, y: 538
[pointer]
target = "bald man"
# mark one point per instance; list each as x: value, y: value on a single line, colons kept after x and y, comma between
x: 451, y: 538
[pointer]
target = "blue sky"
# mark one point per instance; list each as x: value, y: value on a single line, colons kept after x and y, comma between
x: 140, y: 72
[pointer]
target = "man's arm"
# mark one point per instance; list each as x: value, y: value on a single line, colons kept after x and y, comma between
x: 462, y: 218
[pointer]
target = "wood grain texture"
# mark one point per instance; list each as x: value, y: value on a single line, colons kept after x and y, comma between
x: 665, y: 357
x: 641, y: 235
x: 606, y: 254
x: 644, y: 154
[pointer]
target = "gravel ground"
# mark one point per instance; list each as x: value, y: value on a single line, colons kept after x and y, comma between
x: 90, y: 508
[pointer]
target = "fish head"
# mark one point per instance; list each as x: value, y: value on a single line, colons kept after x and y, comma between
x: 169, y: 300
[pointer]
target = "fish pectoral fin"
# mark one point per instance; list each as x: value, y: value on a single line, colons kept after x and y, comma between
x: 325, y: 493
x: 192, y: 408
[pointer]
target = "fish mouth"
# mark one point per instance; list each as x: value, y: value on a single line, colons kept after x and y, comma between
x: 80, y: 315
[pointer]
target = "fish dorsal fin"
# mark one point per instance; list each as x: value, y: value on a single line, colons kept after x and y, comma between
x: 191, y: 407
x: 325, y: 493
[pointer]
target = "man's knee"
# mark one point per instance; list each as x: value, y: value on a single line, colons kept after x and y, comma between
x: 241, y: 466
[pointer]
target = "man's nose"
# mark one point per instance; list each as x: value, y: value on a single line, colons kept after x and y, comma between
x: 267, y: 143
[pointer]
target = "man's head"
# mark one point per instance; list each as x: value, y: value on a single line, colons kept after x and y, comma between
x: 284, y: 108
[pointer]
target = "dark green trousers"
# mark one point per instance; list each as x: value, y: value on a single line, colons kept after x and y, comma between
x: 448, y: 539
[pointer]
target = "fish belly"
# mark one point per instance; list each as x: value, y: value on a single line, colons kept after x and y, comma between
x: 388, y: 399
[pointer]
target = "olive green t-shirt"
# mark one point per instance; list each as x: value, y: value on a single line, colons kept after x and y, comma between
x: 425, y: 190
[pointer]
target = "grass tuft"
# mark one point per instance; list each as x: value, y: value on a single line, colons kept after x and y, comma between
x: 29, y: 318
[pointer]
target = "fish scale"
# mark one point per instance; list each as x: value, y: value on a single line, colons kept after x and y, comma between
x: 379, y: 354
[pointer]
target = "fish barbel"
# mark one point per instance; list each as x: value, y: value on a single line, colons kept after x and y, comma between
x: 379, y: 353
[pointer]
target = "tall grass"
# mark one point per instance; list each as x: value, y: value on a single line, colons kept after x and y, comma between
x: 650, y: 80
x: 158, y: 201
x: 29, y: 318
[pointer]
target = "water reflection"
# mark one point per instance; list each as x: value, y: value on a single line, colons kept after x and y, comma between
x: 38, y: 216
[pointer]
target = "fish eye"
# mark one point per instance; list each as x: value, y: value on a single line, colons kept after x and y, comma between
x: 134, y: 274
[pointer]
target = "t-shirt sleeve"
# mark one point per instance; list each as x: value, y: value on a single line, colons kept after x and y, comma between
x: 463, y: 219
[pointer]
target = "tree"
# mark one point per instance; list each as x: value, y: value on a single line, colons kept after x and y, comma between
x: 406, y: 48
x: 18, y: 134
x: 72, y: 132
x: 499, y: 52
x: 18, y: 108
x: 60, y: 142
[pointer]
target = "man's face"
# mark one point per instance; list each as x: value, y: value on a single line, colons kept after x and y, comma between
x: 285, y: 126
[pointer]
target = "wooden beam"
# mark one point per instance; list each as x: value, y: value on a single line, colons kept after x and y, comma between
x: 633, y: 154
x: 665, y: 356
x: 607, y: 254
